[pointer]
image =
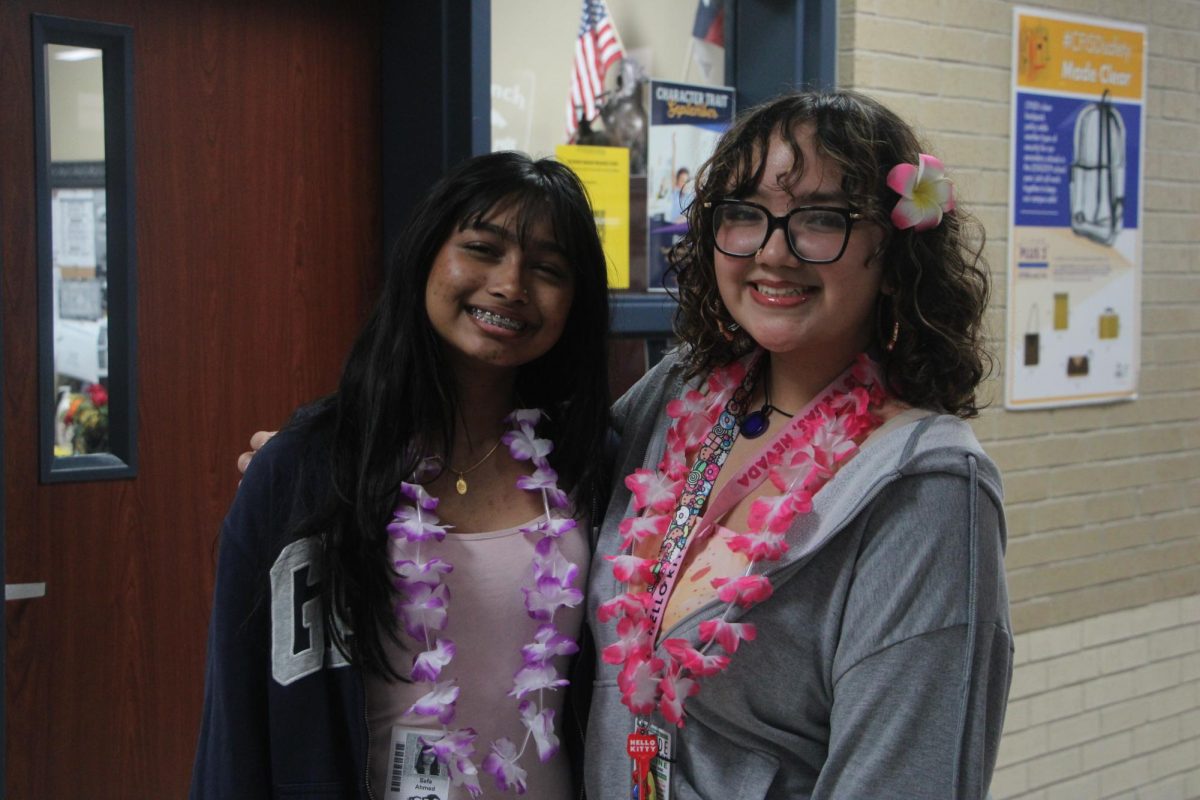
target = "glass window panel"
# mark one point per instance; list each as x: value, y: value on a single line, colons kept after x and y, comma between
x: 533, y: 52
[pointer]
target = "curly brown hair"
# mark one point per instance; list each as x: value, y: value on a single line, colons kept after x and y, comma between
x: 935, y: 283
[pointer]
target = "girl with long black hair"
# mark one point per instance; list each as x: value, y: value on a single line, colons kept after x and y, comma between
x: 400, y: 576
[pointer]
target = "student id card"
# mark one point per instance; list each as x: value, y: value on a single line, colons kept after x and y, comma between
x: 414, y: 771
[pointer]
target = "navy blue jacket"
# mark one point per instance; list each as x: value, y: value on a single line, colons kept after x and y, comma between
x: 284, y: 714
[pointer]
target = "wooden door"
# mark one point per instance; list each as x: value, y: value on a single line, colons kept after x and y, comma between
x: 257, y: 234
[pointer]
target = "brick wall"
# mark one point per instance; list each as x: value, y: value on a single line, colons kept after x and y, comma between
x: 1103, y: 502
x: 1106, y: 706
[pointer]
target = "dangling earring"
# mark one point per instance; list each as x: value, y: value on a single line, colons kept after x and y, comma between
x: 727, y: 331
x: 891, y: 345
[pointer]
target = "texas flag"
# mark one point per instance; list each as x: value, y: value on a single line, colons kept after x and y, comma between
x: 710, y: 22
x: 708, y: 41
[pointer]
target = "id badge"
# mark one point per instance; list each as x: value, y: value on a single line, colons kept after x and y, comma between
x: 659, y: 782
x: 413, y: 769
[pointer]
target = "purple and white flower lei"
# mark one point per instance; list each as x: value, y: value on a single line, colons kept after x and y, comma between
x: 424, y: 605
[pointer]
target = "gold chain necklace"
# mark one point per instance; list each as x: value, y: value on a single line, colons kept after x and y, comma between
x: 460, y: 485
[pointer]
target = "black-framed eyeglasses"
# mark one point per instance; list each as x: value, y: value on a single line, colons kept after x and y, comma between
x: 816, y: 234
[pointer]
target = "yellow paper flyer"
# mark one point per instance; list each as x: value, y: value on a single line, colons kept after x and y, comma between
x: 605, y: 173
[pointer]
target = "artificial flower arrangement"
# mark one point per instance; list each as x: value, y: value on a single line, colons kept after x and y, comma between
x: 83, y: 422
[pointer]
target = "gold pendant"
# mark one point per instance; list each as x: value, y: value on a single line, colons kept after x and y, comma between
x: 461, y: 485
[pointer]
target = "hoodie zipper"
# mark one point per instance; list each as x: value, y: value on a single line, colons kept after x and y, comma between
x: 367, y: 765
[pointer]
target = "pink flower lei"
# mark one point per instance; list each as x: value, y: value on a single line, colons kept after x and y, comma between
x: 830, y: 435
x: 423, y: 613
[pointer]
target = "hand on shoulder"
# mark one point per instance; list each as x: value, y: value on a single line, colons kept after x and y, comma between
x: 256, y: 442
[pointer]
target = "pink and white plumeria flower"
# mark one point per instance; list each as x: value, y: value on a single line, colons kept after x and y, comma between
x: 925, y: 193
x: 634, y: 530
x: 775, y: 513
x: 763, y: 545
x: 722, y: 383
x: 692, y: 403
x: 634, y: 641
x: 629, y: 604
x: 630, y: 569
x: 654, y: 490
x: 675, y: 689
x: 727, y: 634
x: 638, y: 683
x: 747, y: 590
x: 693, y: 660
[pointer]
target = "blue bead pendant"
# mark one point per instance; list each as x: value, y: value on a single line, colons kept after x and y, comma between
x: 754, y: 424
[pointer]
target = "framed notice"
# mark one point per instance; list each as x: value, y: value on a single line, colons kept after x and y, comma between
x: 1075, y: 210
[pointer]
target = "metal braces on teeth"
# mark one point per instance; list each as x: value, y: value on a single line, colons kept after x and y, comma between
x: 496, y: 319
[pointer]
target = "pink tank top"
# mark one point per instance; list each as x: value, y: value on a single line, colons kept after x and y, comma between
x: 489, y: 625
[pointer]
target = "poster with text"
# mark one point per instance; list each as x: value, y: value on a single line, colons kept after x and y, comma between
x: 1075, y: 212
x: 685, y: 123
x: 605, y: 173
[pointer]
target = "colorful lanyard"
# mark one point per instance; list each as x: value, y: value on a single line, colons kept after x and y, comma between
x: 699, y: 483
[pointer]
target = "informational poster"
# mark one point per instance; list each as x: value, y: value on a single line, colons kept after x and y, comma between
x: 73, y: 227
x: 1075, y: 213
x: 685, y: 123
x: 605, y: 173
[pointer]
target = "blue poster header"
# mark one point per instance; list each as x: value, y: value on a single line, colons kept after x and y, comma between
x: 687, y: 104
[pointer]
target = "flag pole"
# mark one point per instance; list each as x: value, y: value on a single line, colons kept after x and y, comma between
x: 691, y: 51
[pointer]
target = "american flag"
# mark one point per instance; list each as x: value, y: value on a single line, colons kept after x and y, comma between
x: 596, y: 49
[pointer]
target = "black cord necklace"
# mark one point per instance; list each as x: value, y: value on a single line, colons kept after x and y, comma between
x: 755, y: 423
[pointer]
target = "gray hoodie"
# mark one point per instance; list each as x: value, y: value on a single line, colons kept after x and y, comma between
x: 883, y: 659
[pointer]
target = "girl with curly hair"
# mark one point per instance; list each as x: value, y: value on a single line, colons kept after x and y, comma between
x: 798, y: 591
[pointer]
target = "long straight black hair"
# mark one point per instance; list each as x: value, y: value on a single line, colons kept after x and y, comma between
x: 397, y: 403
